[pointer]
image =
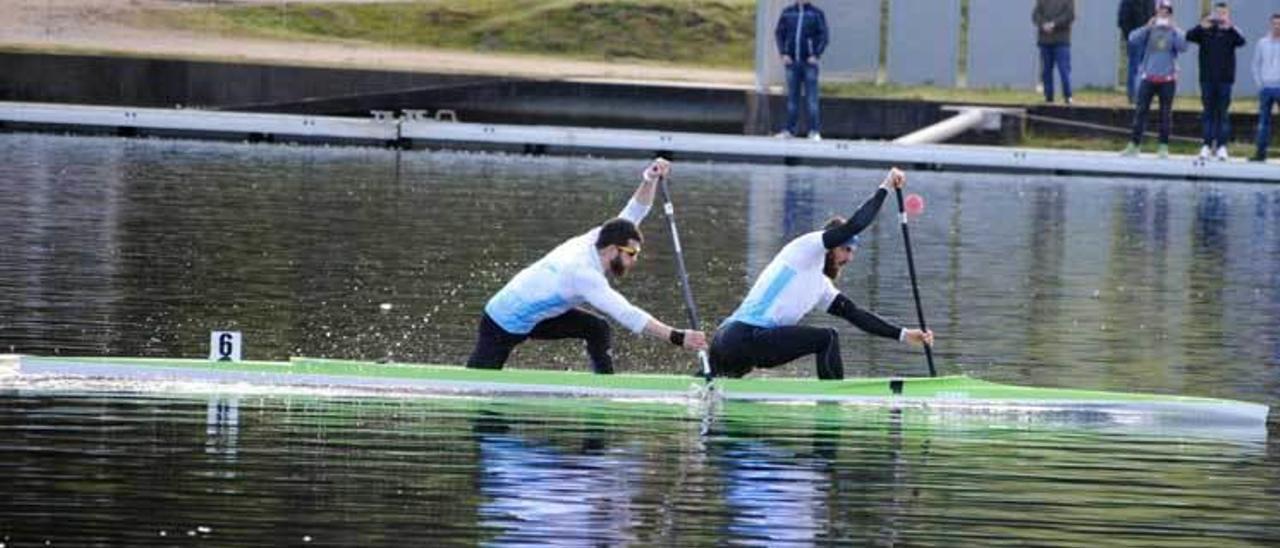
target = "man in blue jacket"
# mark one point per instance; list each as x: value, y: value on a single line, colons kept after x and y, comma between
x: 801, y: 35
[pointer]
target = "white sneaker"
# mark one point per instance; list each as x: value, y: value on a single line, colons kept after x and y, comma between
x: 815, y: 136
x: 1222, y: 154
x: 784, y: 134
x: 1205, y: 152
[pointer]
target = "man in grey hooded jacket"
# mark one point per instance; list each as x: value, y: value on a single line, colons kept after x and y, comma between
x: 1266, y: 73
x: 1162, y: 41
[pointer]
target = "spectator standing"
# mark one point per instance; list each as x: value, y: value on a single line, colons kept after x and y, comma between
x: 1161, y: 41
x: 1218, y: 40
x: 1133, y: 14
x: 1053, y: 19
x: 801, y: 36
x: 1266, y: 73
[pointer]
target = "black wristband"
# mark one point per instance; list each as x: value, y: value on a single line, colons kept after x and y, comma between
x: 676, y: 337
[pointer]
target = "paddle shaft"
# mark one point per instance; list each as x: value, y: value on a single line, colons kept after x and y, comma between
x: 915, y: 288
x: 681, y: 271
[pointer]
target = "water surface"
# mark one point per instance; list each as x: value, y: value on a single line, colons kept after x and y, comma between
x: 142, y: 247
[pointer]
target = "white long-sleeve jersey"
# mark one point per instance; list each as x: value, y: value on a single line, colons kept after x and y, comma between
x: 790, y: 286
x: 568, y: 276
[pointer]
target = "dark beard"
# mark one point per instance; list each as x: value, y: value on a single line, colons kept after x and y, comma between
x: 617, y: 267
x: 829, y: 266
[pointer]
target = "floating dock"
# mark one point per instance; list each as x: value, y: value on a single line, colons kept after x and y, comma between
x: 413, y: 129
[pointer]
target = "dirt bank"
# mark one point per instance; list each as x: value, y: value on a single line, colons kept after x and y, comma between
x: 110, y: 26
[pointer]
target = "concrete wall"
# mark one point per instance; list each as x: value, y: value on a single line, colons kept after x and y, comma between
x: 923, y: 38
x: 854, y: 52
x: 922, y: 42
x: 1003, y: 50
x: 1095, y: 44
x: 1187, y: 13
x: 141, y: 82
x: 1002, y: 44
x: 244, y: 87
x: 165, y: 82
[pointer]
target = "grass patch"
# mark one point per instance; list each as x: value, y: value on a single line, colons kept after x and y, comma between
x: 1116, y: 144
x: 1091, y: 97
x: 716, y: 33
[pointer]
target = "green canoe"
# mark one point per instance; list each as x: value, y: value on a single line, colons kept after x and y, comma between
x: 950, y: 393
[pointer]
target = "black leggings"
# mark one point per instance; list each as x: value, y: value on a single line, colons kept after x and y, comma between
x: 737, y: 348
x: 494, y: 344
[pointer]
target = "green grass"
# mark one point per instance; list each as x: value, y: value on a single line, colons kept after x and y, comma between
x: 1237, y: 150
x: 717, y: 33
x: 1088, y: 97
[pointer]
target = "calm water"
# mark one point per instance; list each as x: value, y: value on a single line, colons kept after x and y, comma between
x: 128, y: 247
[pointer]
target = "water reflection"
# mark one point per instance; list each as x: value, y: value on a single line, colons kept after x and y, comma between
x: 1273, y: 273
x: 84, y: 469
x: 1047, y: 245
x: 535, y: 490
x: 775, y: 496
x: 222, y: 425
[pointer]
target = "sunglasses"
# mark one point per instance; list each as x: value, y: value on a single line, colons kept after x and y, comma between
x: 632, y: 251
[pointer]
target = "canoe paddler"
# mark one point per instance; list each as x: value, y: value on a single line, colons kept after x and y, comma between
x: 762, y: 332
x: 545, y: 300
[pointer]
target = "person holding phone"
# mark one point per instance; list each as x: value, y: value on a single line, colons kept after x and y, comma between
x: 1161, y: 41
x: 1218, y: 39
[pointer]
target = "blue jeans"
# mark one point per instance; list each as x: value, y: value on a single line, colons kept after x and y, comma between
x: 1135, y: 59
x: 1060, y: 55
x: 1215, y: 97
x: 802, y: 76
x: 1267, y: 98
x: 1148, y: 90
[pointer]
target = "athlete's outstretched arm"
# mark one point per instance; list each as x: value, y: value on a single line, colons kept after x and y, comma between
x: 638, y: 207
x: 688, y: 339
x: 607, y: 300
x: 867, y: 321
x: 861, y: 219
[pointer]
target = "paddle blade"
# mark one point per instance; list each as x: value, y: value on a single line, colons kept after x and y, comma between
x: 914, y: 204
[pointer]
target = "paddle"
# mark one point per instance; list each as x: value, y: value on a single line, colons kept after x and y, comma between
x: 691, y: 308
x: 911, y: 267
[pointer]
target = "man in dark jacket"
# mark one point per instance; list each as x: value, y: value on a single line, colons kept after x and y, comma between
x: 1218, y: 40
x: 801, y: 35
x: 1133, y: 14
x: 1053, y: 19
